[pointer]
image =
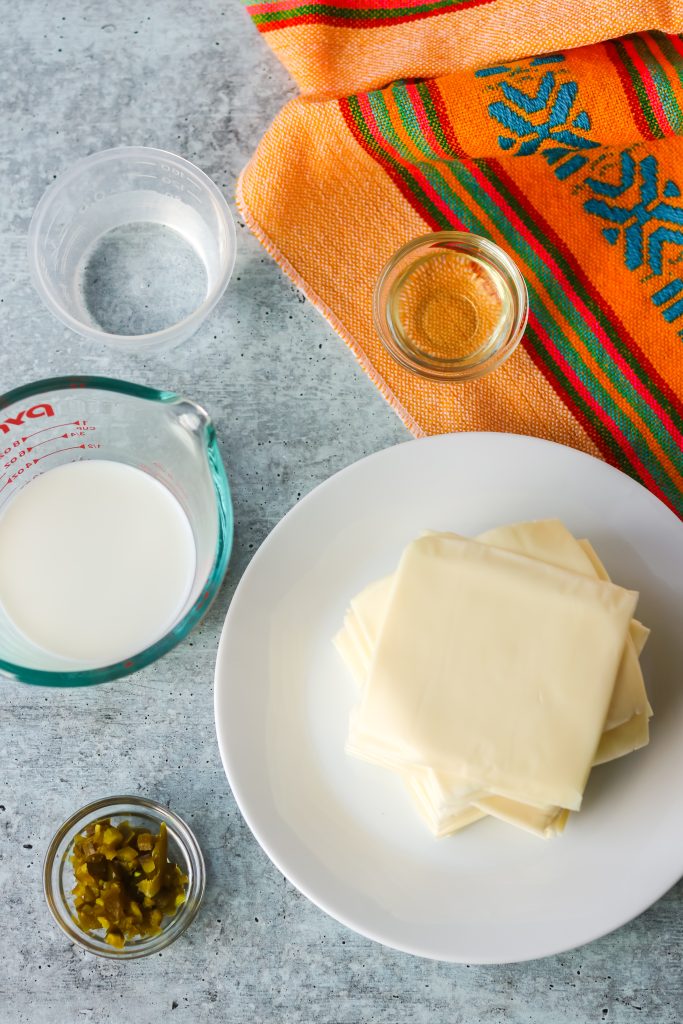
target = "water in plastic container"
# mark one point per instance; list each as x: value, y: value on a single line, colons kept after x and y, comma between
x: 132, y: 247
x: 140, y: 278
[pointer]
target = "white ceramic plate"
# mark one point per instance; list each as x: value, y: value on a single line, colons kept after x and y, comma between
x: 343, y: 832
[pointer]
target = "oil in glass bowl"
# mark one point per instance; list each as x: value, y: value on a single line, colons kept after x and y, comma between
x: 450, y: 306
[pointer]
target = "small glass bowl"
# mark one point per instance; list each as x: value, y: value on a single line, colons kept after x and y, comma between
x: 183, y: 849
x: 450, y: 306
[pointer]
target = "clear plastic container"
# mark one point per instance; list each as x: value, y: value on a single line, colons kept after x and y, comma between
x: 132, y: 247
x: 450, y: 306
x: 67, y: 419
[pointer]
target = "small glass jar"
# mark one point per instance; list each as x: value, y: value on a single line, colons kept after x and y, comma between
x: 59, y: 880
x: 450, y: 306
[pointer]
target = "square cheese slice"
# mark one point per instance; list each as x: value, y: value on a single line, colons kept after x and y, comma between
x: 444, y: 803
x: 550, y: 541
x: 496, y: 668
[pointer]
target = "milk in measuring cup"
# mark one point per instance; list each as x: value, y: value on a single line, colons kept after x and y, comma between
x: 97, y: 559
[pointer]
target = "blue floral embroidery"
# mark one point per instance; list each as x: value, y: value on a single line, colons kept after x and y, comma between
x: 557, y: 136
x: 558, y: 124
x: 670, y: 291
x: 642, y: 218
x: 645, y: 210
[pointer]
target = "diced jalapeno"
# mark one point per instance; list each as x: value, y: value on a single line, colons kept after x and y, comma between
x: 125, y: 884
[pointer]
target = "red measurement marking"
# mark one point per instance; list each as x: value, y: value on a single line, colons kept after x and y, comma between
x: 54, y: 426
x: 5, y: 485
x: 47, y: 440
x: 58, y: 452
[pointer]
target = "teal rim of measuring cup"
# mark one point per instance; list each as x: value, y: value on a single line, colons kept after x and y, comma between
x: 90, y: 677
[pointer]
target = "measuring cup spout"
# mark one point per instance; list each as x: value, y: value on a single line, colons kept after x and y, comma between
x: 193, y: 419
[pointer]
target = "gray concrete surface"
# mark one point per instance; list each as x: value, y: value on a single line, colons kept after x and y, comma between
x: 291, y: 408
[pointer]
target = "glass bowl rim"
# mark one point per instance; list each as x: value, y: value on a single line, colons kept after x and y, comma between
x: 191, y: 852
x: 214, y: 579
x: 445, y: 371
x: 167, y: 334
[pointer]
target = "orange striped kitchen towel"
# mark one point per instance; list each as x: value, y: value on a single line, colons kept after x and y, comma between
x: 571, y: 160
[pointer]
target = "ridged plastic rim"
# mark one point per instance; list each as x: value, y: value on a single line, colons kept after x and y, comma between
x: 196, y: 613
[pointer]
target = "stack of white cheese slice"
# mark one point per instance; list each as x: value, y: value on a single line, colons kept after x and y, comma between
x: 494, y: 673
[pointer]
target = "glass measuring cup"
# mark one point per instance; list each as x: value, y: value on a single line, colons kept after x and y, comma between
x: 132, y: 247
x: 66, y: 419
